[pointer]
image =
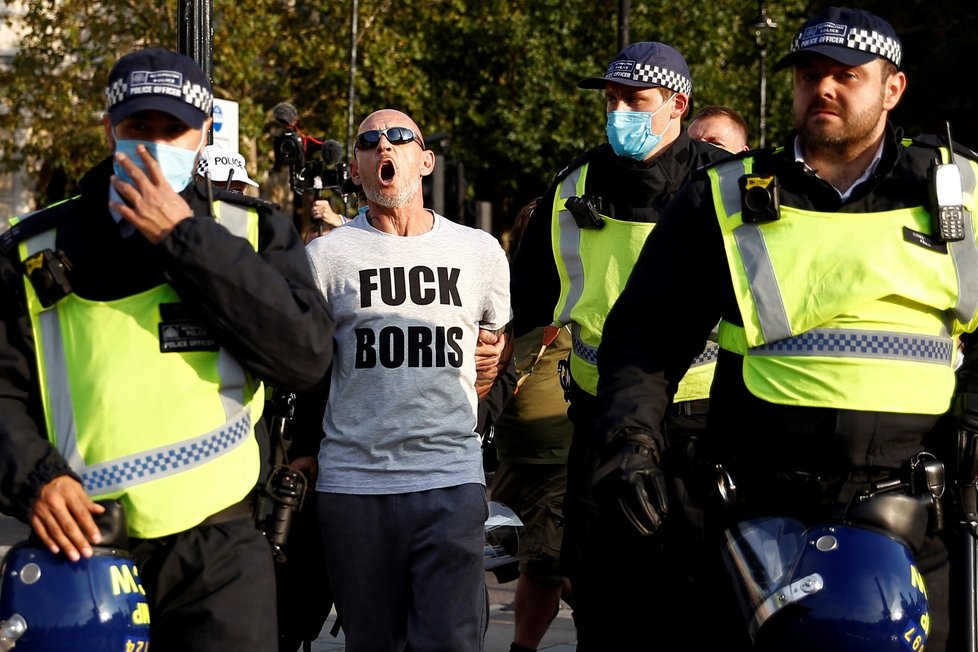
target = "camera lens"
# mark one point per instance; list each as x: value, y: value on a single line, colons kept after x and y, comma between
x: 757, y: 198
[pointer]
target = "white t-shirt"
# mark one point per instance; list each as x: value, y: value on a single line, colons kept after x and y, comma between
x: 402, y: 403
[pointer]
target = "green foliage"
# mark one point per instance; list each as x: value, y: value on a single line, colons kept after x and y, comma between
x: 55, y: 83
x: 497, y: 78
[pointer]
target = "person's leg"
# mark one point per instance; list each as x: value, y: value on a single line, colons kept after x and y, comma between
x: 368, y: 568
x: 301, y: 619
x: 535, y: 606
x: 211, y: 587
x: 449, y: 604
x: 539, y: 588
x: 580, y: 554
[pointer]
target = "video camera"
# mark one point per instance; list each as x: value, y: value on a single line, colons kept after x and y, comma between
x: 298, y: 151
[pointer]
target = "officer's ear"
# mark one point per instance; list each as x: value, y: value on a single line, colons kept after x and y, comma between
x: 894, y: 86
x: 679, y: 108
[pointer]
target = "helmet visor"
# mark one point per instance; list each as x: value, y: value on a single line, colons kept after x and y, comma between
x: 761, y: 556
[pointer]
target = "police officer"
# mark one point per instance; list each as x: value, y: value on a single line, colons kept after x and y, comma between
x: 720, y: 126
x: 138, y: 323
x: 225, y: 170
x: 596, y: 215
x: 831, y: 265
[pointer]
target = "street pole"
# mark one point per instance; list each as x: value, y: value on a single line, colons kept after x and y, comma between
x: 195, y: 34
x: 352, y: 94
x: 761, y: 27
x: 623, y: 37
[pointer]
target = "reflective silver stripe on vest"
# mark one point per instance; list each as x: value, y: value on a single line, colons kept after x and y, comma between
x: 62, y: 412
x: 234, y: 218
x: 233, y: 382
x: 753, y: 252
x: 964, y: 253
x: 729, y: 174
x: 570, y: 243
x: 846, y: 343
x: 124, y: 472
x: 590, y: 354
x: 763, y: 283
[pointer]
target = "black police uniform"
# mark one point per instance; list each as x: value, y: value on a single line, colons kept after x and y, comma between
x: 265, y: 309
x: 786, y: 460
x: 631, y: 191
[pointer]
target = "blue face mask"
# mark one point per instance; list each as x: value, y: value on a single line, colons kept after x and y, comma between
x: 630, y: 132
x: 177, y: 163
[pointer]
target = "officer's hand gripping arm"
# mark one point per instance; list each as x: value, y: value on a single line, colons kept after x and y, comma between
x: 629, y: 479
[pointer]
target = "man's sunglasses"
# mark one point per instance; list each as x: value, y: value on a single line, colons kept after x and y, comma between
x: 395, y: 136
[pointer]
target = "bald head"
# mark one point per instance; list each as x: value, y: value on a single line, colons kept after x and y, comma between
x: 387, y: 118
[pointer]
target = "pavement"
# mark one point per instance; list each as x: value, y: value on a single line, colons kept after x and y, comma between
x: 561, y: 637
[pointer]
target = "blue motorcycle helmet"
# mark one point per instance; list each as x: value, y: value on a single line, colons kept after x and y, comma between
x: 51, y: 604
x: 839, y: 587
x: 95, y: 604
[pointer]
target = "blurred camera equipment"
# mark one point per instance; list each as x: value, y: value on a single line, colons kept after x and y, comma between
x: 315, y: 165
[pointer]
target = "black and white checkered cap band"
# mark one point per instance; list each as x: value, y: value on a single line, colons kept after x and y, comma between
x: 670, y: 79
x: 115, y: 93
x: 192, y: 94
x: 859, y: 39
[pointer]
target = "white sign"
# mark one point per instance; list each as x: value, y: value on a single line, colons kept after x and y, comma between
x: 226, y: 124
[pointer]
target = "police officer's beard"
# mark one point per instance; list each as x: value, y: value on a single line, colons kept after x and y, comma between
x: 857, y: 129
x: 395, y: 200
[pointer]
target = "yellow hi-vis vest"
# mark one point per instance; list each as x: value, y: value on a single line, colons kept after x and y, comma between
x: 847, y: 310
x: 169, y: 434
x: 594, y: 265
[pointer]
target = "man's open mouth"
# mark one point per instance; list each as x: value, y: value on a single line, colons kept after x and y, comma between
x: 386, y: 172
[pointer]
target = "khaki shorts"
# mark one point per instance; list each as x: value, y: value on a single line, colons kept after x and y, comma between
x: 536, y: 493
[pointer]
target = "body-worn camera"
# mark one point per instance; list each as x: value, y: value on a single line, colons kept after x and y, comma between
x: 586, y: 211
x: 760, y: 198
x: 49, y: 273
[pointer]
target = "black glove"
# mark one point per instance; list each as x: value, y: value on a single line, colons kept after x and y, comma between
x: 630, y: 480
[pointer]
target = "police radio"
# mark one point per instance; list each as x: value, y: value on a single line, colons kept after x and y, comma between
x: 947, y: 199
x: 760, y: 198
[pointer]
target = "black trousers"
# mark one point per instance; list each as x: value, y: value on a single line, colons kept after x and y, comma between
x: 632, y: 592
x: 210, y: 588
